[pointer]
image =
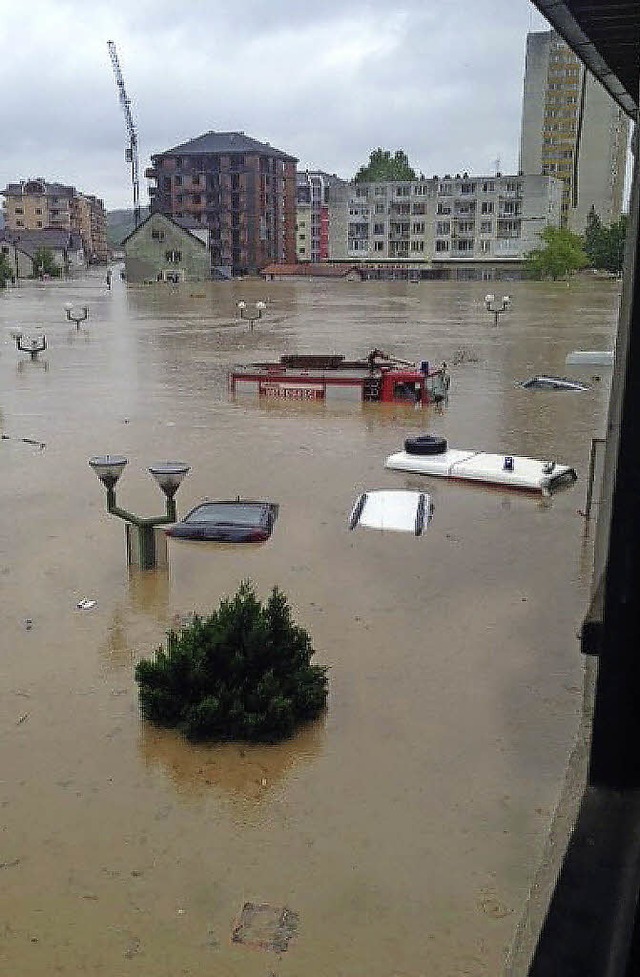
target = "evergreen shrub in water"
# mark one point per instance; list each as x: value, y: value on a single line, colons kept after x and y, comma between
x: 244, y: 673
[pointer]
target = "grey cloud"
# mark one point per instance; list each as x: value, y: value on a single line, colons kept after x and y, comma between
x: 326, y: 82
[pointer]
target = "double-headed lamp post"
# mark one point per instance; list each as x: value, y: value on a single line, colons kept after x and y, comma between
x: 168, y: 475
x: 77, y: 316
x: 249, y: 314
x: 497, y: 306
x: 30, y: 346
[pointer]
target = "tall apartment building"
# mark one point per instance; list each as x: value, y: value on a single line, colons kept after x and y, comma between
x: 312, y: 214
x: 243, y: 190
x: 573, y: 129
x: 34, y: 205
x: 479, y: 220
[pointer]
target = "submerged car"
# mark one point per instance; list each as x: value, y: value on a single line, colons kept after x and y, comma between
x: 552, y: 383
x: 239, y: 521
x: 396, y: 510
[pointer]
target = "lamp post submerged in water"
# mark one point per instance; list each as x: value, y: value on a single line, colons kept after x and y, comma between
x: 247, y: 313
x: 76, y: 317
x: 497, y: 306
x: 169, y: 476
x: 30, y: 346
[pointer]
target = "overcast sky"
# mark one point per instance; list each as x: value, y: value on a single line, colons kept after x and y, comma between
x: 326, y: 81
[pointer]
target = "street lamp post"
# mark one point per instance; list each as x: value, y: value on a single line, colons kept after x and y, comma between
x: 497, y: 306
x: 30, y: 346
x: 76, y: 317
x: 249, y: 314
x: 168, y: 475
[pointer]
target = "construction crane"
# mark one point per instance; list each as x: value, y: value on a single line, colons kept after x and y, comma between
x: 131, y: 151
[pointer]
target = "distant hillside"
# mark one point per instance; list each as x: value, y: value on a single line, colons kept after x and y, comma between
x: 119, y: 224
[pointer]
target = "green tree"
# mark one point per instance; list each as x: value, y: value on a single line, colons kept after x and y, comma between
x: 604, y: 246
x: 44, y: 263
x: 6, y: 273
x: 244, y: 673
x: 382, y: 166
x: 561, y: 256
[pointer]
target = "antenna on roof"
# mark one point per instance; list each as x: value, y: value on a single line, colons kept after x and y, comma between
x: 496, y: 164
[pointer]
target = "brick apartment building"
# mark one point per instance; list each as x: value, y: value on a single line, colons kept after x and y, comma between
x: 242, y: 190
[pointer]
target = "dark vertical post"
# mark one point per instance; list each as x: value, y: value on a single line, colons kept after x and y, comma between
x: 615, y: 748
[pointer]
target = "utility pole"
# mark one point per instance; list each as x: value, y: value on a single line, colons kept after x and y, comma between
x: 131, y: 151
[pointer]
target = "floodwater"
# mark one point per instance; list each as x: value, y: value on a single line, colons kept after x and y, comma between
x: 405, y: 826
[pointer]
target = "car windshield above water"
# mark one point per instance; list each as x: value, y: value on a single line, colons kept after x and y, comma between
x: 231, y: 513
x: 553, y: 383
x: 235, y: 521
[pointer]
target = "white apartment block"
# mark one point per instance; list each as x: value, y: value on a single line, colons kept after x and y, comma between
x: 479, y: 219
x: 573, y: 129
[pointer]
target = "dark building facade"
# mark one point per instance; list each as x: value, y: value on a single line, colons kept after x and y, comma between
x: 242, y: 190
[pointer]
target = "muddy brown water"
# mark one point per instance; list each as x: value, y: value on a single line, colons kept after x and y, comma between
x: 403, y: 828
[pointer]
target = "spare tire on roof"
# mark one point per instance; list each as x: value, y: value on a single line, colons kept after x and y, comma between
x: 425, y: 444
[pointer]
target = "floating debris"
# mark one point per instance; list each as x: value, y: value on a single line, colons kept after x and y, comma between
x: 39, y: 444
x: 265, y: 927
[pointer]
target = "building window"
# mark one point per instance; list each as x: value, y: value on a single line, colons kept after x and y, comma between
x: 378, y: 228
x: 488, y: 186
x: 417, y: 245
x: 419, y: 208
x: 38, y: 210
x: 418, y: 227
x: 442, y: 245
x: 378, y: 245
x: 174, y: 257
x: 487, y: 207
x: 379, y: 209
x: 443, y: 227
x: 444, y: 209
x: 38, y: 223
x: 486, y: 227
x: 178, y: 181
x: 157, y: 234
x: 402, y: 191
x: 19, y: 210
x: 485, y: 247
x: 19, y: 223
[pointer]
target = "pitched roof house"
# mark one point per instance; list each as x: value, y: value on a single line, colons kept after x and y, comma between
x: 164, y: 248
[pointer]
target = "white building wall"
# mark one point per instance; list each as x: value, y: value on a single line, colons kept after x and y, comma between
x: 601, y: 159
x: 533, y: 99
x: 460, y: 218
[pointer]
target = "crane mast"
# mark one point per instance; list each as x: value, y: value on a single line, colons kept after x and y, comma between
x: 131, y: 151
